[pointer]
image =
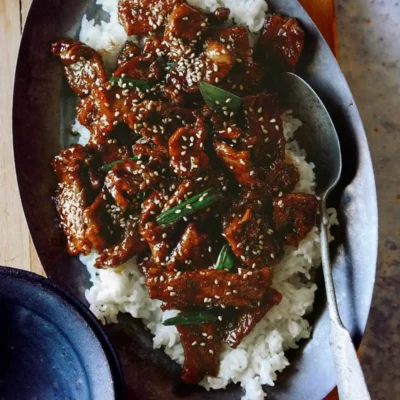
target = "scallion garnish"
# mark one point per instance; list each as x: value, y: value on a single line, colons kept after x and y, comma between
x: 107, y: 167
x: 189, y: 206
x: 193, y: 318
x: 226, y: 258
x: 170, y: 65
x: 219, y: 100
x: 129, y: 83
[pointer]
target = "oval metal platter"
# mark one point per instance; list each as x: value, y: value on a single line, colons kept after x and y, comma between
x: 42, y: 116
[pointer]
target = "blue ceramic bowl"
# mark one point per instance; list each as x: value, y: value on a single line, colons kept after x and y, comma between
x: 51, y: 346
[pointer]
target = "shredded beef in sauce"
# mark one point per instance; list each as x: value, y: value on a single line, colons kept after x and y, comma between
x: 198, y: 188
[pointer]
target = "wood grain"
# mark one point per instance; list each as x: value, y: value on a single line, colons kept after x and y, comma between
x: 16, y: 247
x: 324, y: 16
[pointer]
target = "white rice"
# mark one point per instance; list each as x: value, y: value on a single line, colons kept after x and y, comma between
x: 260, y: 356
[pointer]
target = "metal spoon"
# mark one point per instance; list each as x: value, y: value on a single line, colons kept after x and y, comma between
x: 321, y: 142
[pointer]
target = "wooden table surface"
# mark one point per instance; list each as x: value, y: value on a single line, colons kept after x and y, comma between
x: 16, y: 247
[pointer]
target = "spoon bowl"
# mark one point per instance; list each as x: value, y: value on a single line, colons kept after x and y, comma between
x: 320, y: 138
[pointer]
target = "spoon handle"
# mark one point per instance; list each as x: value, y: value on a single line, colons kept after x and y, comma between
x: 350, y: 379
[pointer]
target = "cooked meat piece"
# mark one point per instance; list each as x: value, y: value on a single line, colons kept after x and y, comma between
x: 185, y: 26
x: 233, y: 132
x: 128, y: 178
x: 129, y: 51
x: 281, y: 42
x: 242, y: 323
x: 146, y: 147
x: 186, y: 149
x: 239, y: 164
x: 158, y: 238
x: 219, y: 16
x: 147, y: 119
x: 83, y: 66
x: 294, y: 215
x: 281, y: 176
x: 145, y: 263
x: 218, y: 121
x: 263, y: 127
x: 153, y: 47
x: 94, y: 112
x: 140, y: 67
x: 248, y: 231
x: 209, y: 288
x: 201, y: 345
x: 238, y: 39
x: 101, y: 111
x: 73, y: 195
x: 113, y: 152
x: 129, y: 245
x: 192, y: 251
x: 218, y: 60
x: 139, y: 17
x: 181, y: 192
x: 245, y: 78
x: 101, y: 225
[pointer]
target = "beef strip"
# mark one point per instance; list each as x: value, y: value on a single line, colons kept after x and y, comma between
x: 140, y: 17
x: 83, y: 66
x: 128, y: 178
x: 238, y: 40
x: 102, y: 110
x: 238, y: 163
x: 294, y: 215
x: 129, y: 51
x: 129, y: 245
x: 73, y: 195
x: 243, y: 322
x: 218, y: 61
x: 146, y: 147
x: 186, y: 149
x: 141, y: 67
x: 157, y: 237
x: 263, y: 127
x: 192, y: 251
x: 185, y: 26
x: 248, y: 230
x: 100, y: 224
x: 281, y: 42
x: 201, y: 344
x: 246, y: 75
x: 281, y: 176
x: 209, y: 288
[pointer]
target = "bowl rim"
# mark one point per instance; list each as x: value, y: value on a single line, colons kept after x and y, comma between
x: 91, y: 323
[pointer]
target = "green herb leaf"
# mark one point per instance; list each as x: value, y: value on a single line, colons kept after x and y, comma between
x: 226, y: 258
x: 219, y: 100
x: 107, y: 167
x: 189, y: 206
x: 129, y: 83
x: 194, y: 318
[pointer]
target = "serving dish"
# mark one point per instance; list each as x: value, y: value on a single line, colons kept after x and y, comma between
x: 43, y: 108
x: 51, y: 346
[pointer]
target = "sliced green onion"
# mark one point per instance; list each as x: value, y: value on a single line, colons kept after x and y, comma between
x: 129, y: 83
x: 189, y: 206
x: 194, y: 318
x: 107, y: 167
x: 226, y: 258
x: 219, y: 100
x: 170, y: 65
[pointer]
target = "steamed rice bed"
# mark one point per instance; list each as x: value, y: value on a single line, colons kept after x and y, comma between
x: 260, y: 356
